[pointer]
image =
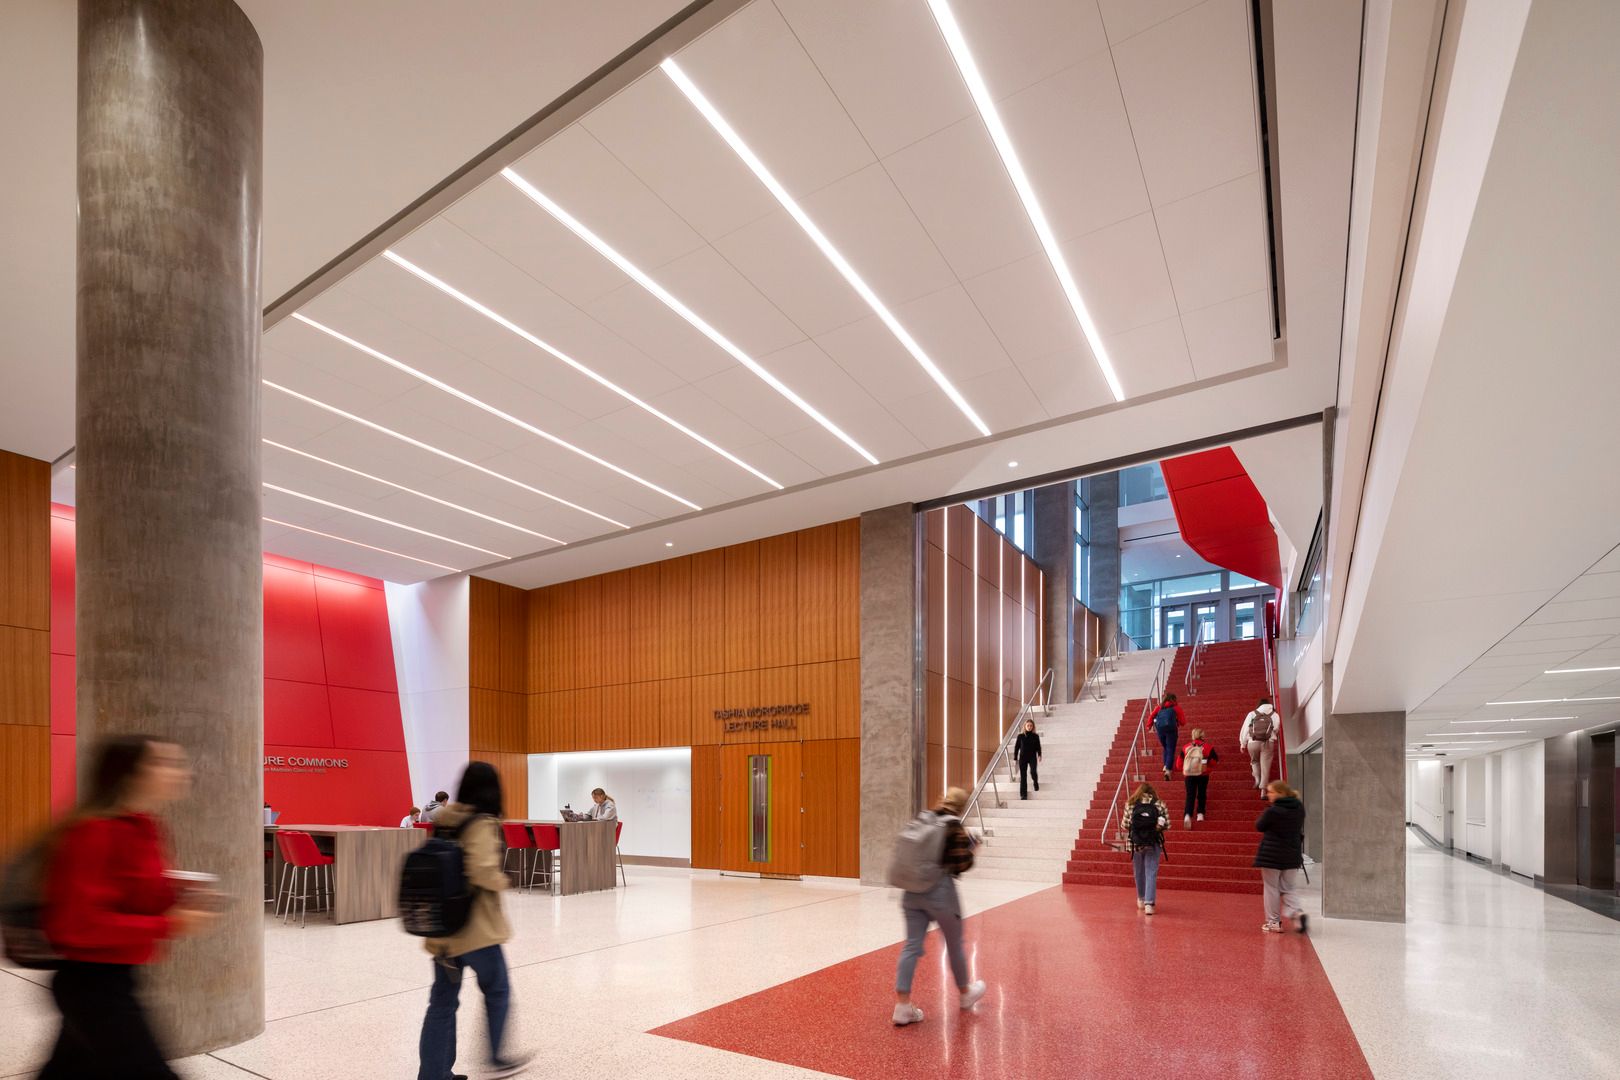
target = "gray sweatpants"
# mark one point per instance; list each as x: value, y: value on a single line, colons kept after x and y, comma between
x: 940, y: 905
x: 1282, y: 899
x: 1260, y: 761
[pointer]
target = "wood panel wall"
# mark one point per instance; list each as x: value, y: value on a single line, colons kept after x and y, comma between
x: 985, y: 648
x: 644, y: 657
x: 25, y: 647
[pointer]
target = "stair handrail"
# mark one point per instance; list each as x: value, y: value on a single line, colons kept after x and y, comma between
x: 1268, y: 642
x: 1149, y: 707
x: 1194, y: 661
x: 1042, y: 695
x: 1097, y: 679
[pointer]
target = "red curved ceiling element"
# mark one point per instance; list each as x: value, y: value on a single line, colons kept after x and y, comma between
x: 1222, y: 515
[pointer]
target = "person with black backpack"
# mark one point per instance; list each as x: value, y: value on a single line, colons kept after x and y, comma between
x: 1258, y: 738
x: 929, y: 854
x: 468, y: 914
x: 1146, y: 818
x: 1195, y: 761
x: 1167, y: 721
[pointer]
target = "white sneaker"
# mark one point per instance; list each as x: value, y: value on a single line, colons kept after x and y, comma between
x: 1186, y: 822
x: 907, y: 1014
x: 1148, y: 909
x: 1139, y: 903
x: 1200, y: 817
x: 975, y: 991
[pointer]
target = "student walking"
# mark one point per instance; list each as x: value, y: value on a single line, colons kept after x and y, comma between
x: 108, y: 907
x: 930, y: 853
x: 1167, y: 721
x: 1258, y: 738
x: 1195, y: 761
x: 473, y: 822
x: 1146, y: 818
x: 1281, y: 856
x: 1027, y: 752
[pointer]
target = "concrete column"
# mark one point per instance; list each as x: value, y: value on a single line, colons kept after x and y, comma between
x: 1053, y: 552
x: 1364, y: 815
x: 1102, y: 500
x: 891, y: 708
x: 170, y: 598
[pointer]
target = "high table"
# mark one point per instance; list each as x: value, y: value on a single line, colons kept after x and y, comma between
x: 365, y: 867
x: 587, y: 855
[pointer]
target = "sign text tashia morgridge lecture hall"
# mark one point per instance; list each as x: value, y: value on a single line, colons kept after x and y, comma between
x: 762, y: 717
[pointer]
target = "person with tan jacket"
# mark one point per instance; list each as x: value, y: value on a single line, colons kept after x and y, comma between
x: 473, y: 821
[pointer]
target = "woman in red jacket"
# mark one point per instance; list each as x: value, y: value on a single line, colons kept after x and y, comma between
x: 109, y: 906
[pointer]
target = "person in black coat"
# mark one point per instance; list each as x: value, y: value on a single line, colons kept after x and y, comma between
x: 1027, y: 752
x: 1281, y: 855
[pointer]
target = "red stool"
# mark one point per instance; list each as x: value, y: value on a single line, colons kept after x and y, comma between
x: 517, y: 838
x: 300, y: 856
x: 425, y: 826
x: 548, y: 838
x: 618, y: 831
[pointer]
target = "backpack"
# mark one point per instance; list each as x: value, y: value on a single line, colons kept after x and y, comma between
x: 1145, y: 825
x: 1260, y: 726
x: 919, y: 853
x: 435, y: 898
x: 1192, y: 760
x: 1165, y: 718
x: 22, y: 907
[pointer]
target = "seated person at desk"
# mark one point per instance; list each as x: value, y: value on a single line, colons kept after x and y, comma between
x: 434, y: 805
x: 604, y: 810
x: 410, y: 819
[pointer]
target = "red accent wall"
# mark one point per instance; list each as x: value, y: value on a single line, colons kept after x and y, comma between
x: 330, y: 690
x: 1222, y: 515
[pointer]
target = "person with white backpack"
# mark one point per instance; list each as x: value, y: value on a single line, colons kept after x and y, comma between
x: 930, y: 852
x: 1258, y: 736
x: 1196, y: 759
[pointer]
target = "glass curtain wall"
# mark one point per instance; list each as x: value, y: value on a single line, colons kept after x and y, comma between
x: 1012, y: 515
x: 1217, y: 605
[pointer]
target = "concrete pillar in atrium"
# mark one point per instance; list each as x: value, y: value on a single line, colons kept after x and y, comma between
x: 891, y: 744
x: 1053, y: 552
x: 1363, y: 813
x: 170, y: 598
x: 1102, y: 515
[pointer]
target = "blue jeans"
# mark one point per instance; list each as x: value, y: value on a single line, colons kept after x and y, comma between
x: 1145, y: 865
x: 438, y: 1046
x: 940, y: 905
x: 1167, y: 739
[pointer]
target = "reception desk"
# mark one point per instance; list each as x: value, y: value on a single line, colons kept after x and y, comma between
x: 365, y: 867
x: 588, y: 864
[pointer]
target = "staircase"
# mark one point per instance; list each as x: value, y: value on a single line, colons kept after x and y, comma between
x: 1032, y: 840
x: 1218, y: 854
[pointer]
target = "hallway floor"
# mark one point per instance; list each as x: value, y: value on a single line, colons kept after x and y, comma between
x: 1487, y: 979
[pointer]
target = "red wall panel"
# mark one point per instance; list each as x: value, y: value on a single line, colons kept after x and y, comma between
x: 63, y: 587
x: 63, y: 695
x: 372, y: 789
x: 365, y: 719
x: 297, y: 714
x: 354, y: 634
x: 292, y: 627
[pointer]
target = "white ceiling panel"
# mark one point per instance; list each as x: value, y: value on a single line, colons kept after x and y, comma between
x: 1004, y: 399
x: 642, y: 319
x: 742, y: 393
x: 1577, y: 611
x: 1152, y: 357
x: 1127, y: 18
x: 600, y: 190
x: 772, y: 458
x: 1214, y: 243
x: 655, y: 131
x: 1609, y: 564
x: 784, y: 264
x: 1067, y: 381
x: 1230, y: 336
x: 1075, y: 142
x: 825, y: 384
x: 957, y: 186
x: 1121, y: 274
x: 714, y: 289
x: 868, y: 221
x: 1026, y: 308
x: 887, y: 64
x: 1019, y: 47
x: 1188, y: 88
x: 950, y: 329
x: 1591, y: 586
x: 1534, y: 632
x: 824, y: 453
x: 872, y: 356
x: 754, y: 71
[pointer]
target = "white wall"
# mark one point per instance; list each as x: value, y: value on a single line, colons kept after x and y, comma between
x: 1473, y: 817
x: 1524, y: 786
x: 1425, y: 783
x: 652, y: 788
x: 429, y: 625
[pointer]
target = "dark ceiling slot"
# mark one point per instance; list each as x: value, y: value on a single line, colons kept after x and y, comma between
x: 1265, y: 68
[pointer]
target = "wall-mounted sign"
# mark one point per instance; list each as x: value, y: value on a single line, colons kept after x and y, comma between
x: 763, y: 717
x: 281, y: 763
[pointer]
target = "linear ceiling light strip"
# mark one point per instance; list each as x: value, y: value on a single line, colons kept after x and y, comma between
x: 724, y: 129
x: 957, y: 43
x: 669, y: 300
x: 381, y: 520
x: 601, y: 380
x: 409, y: 490
x: 357, y: 543
x: 439, y: 384
x: 447, y: 455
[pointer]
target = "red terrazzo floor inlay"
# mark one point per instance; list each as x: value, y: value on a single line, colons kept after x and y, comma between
x: 1080, y: 986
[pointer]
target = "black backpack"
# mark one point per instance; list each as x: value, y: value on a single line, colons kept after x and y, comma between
x: 22, y: 907
x: 1145, y: 825
x: 1165, y: 718
x: 435, y: 898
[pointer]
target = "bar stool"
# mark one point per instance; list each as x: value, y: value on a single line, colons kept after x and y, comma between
x: 425, y: 826
x: 299, y: 853
x: 618, y: 831
x: 548, y: 838
x: 517, y: 838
